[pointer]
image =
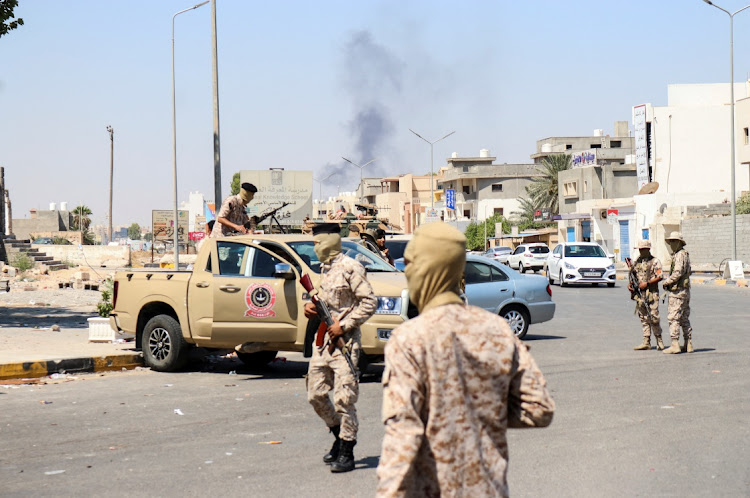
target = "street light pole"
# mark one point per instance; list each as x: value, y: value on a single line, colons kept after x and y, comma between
x: 111, y: 175
x: 432, y: 173
x: 174, y: 145
x: 320, y: 187
x: 215, y: 71
x: 361, y: 177
x: 731, y: 117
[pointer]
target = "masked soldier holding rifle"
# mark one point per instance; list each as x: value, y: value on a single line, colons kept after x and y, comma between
x: 232, y: 216
x: 645, y: 275
x: 350, y: 299
x: 678, y: 287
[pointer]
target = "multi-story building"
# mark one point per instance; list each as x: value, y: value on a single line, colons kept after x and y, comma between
x: 403, y: 199
x: 483, y: 188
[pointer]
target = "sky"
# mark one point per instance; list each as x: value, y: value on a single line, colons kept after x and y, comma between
x: 303, y: 83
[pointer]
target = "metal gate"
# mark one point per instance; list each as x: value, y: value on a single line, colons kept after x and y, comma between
x: 624, y: 239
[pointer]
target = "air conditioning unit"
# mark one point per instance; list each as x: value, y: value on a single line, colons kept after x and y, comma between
x: 603, y: 214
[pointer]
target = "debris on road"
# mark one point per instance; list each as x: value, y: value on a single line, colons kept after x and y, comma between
x: 178, y: 411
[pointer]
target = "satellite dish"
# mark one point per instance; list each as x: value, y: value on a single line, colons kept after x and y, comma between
x: 649, y: 188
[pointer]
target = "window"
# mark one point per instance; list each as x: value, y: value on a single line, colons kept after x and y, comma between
x: 568, y: 146
x: 538, y: 249
x: 585, y: 186
x: 466, y: 189
x: 467, y: 213
x: 595, y: 146
x: 497, y: 211
x: 519, y: 250
x: 239, y: 260
x: 615, y: 144
x: 498, y: 275
x: 747, y: 136
x: 570, y: 189
x: 497, y: 187
x: 477, y: 273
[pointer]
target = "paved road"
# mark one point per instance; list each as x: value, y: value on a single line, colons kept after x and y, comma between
x: 627, y: 423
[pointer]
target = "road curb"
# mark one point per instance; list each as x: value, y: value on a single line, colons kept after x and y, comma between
x: 28, y: 370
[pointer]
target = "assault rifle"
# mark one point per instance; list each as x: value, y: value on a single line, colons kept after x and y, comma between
x: 326, y: 320
x: 636, y: 292
x: 270, y: 213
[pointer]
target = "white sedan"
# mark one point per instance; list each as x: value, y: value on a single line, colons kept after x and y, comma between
x: 579, y: 263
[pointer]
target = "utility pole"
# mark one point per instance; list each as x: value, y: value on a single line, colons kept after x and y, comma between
x: 2, y: 202
x: 215, y: 66
x: 111, y: 175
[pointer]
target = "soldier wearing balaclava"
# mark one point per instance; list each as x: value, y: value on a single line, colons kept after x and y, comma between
x: 232, y: 217
x: 344, y: 288
x: 455, y: 379
x: 677, y: 285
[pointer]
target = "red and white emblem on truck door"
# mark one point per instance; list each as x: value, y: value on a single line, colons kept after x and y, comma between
x: 260, y: 299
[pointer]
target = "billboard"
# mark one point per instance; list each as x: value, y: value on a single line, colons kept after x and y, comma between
x: 585, y: 158
x: 641, y: 145
x: 450, y: 198
x: 162, y: 221
x: 275, y: 187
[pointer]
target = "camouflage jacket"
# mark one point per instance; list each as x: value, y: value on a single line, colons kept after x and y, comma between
x: 455, y: 379
x: 232, y: 209
x: 344, y: 286
x: 645, y: 270
x: 679, y: 272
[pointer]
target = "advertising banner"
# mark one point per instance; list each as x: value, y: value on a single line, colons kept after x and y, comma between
x: 641, y: 145
x: 162, y: 221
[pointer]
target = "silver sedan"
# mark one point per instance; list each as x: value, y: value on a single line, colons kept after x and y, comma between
x: 520, y: 299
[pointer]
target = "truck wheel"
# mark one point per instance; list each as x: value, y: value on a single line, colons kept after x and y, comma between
x: 257, y: 360
x: 164, y: 348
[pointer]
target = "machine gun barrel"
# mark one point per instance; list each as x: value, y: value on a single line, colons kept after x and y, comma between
x: 271, y: 212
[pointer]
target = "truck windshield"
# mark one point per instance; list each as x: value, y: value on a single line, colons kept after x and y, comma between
x: 370, y: 261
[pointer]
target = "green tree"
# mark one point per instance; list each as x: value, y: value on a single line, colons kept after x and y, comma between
x: 134, y: 231
x: 6, y: 14
x: 525, y: 211
x: 82, y: 222
x: 234, y: 187
x: 148, y: 237
x: 743, y: 204
x: 475, y: 231
x: 543, y: 190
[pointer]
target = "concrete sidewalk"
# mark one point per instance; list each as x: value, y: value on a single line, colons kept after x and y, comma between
x: 701, y: 279
x: 39, y: 351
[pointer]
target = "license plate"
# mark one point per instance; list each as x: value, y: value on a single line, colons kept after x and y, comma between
x: 590, y: 274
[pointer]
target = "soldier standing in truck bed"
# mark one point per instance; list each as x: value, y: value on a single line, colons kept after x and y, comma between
x: 232, y: 215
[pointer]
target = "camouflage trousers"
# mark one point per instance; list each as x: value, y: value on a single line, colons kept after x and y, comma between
x: 654, y: 327
x: 331, y: 372
x: 679, y: 314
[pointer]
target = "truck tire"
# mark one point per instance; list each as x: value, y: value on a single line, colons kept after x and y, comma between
x: 164, y: 348
x: 257, y: 360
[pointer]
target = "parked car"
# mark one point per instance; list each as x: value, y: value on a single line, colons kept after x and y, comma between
x: 530, y: 256
x: 520, y: 299
x: 499, y: 253
x: 42, y: 240
x: 396, y: 245
x: 578, y: 263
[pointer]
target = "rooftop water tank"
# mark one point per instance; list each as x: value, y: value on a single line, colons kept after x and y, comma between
x: 598, y: 132
x: 454, y: 155
x: 546, y: 147
x: 64, y: 206
x: 484, y: 153
x: 52, y: 206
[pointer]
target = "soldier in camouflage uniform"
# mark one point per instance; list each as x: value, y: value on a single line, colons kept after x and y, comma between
x: 678, y: 286
x: 456, y: 378
x: 648, y: 271
x: 351, y: 301
x: 232, y: 215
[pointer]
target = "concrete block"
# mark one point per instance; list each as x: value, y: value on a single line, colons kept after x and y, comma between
x: 81, y: 275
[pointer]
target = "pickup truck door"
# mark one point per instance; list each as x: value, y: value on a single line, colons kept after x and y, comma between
x: 250, y: 304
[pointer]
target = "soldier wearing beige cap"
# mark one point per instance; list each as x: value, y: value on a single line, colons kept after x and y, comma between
x: 678, y: 287
x: 647, y: 270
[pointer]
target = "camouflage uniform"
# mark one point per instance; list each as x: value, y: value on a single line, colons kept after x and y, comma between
x: 234, y: 210
x: 455, y: 379
x: 343, y: 287
x: 678, y: 286
x: 648, y: 269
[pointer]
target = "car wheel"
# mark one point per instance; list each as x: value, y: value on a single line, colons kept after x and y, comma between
x: 257, y: 360
x: 562, y: 279
x: 518, y: 319
x: 610, y: 284
x: 164, y: 348
x: 521, y: 269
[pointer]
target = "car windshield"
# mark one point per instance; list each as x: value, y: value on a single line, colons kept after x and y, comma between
x: 538, y: 249
x: 396, y: 248
x: 584, y: 252
x: 369, y: 260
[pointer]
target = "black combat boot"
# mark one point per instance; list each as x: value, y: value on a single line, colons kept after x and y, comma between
x: 345, y: 462
x: 333, y: 455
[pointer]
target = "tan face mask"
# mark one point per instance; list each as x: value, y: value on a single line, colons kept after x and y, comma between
x: 246, y: 196
x: 436, y: 259
x: 328, y: 246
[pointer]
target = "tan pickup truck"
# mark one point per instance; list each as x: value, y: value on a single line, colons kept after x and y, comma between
x: 244, y: 289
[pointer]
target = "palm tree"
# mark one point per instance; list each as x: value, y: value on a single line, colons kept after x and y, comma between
x: 543, y: 190
x: 526, y: 209
x: 81, y: 214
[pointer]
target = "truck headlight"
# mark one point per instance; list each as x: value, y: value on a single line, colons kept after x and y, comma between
x: 389, y: 306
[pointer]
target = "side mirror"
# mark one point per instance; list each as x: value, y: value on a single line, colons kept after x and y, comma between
x: 556, y: 256
x: 283, y: 270
x: 610, y: 256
